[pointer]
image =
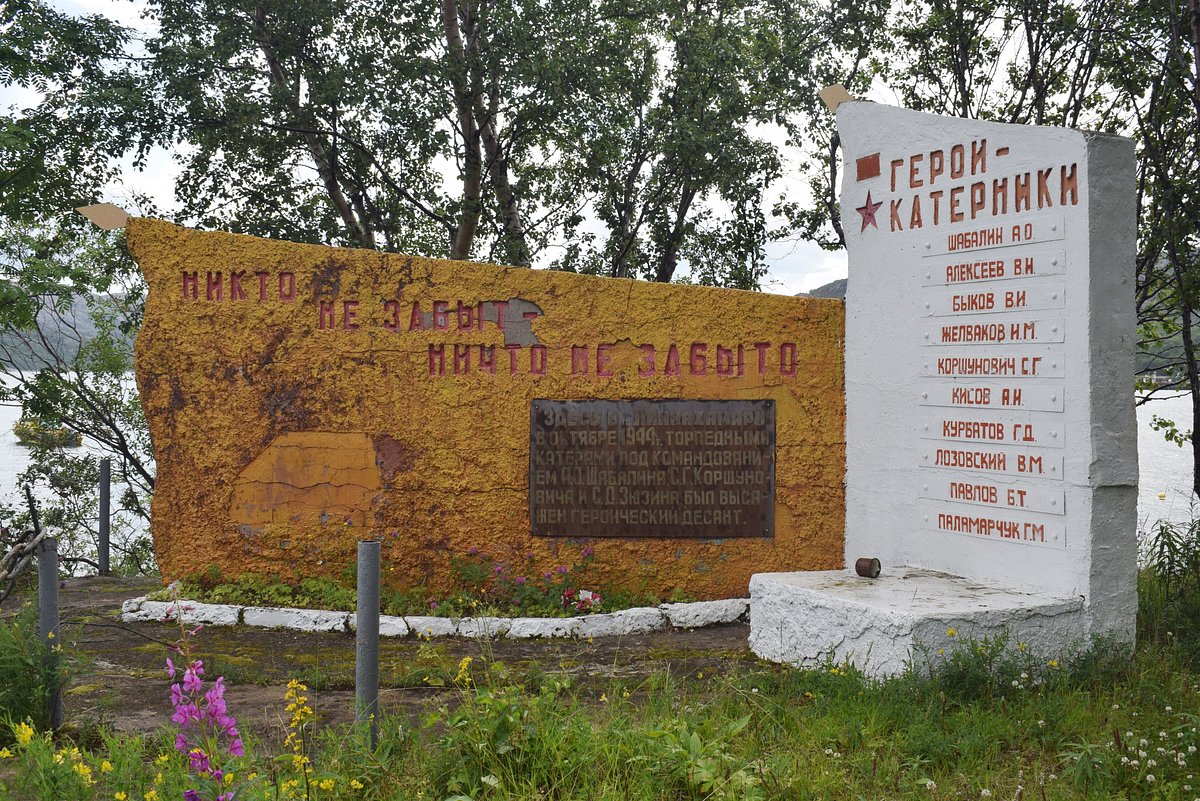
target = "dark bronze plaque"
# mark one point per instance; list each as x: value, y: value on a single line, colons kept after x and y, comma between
x: 646, y: 468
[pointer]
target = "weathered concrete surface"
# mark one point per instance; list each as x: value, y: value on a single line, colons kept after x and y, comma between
x: 298, y: 409
x: 906, y: 614
x: 990, y: 345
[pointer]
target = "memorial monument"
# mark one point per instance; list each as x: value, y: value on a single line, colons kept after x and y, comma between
x: 301, y: 398
x: 990, y: 429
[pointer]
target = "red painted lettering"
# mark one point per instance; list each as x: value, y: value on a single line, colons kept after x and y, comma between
x: 213, y: 286
x: 465, y: 322
x: 235, y: 285
x: 724, y: 361
x: 648, y: 367
x: 391, y: 311
x: 325, y: 315
x: 191, y: 281
x: 487, y: 359
x: 537, y: 360
x: 579, y: 360
x: 698, y: 360
x: 603, y: 360
x: 441, y: 315
x: 287, y: 287
x: 349, y: 310
x: 437, y: 359
x: 672, y: 365
x: 787, y: 358
x: 913, y: 181
x: 762, y: 348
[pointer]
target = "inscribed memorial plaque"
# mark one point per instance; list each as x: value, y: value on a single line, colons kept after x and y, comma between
x: 670, y: 468
x: 989, y: 354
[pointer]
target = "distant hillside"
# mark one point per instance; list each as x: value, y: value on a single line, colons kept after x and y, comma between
x: 60, y: 333
x: 834, y: 289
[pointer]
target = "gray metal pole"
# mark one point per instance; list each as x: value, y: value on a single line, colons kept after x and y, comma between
x: 48, y: 619
x: 366, y: 646
x: 105, y: 512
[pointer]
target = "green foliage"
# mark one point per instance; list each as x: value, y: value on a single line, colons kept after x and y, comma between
x: 28, y: 673
x: 484, y: 585
x: 1169, y: 588
x: 66, y: 357
x: 252, y: 589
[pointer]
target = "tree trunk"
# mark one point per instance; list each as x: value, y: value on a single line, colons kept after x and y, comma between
x: 516, y: 247
x: 463, y: 237
x: 359, y: 231
x: 670, y: 255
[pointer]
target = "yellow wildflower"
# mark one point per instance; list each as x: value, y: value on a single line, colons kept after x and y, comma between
x: 603, y: 698
x: 151, y: 795
x: 106, y: 767
x: 1053, y: 663
x: 162, y: 759
x: 463, y: 677
x: 24, y: 733
x: 229, y: 778
x: 355, y: 784
x: 950, y: 632
x: 326, y: 784
x: 120, y: 795
x: 158, y: 778
x: 84, y: 772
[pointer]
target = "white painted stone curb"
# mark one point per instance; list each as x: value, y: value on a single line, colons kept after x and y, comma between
x: 609, y: 624
x: 296, y: 619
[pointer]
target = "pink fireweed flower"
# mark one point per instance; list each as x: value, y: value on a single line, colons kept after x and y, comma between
x: 191, y: 678
x: 519, y: 580
x: 170, y: 668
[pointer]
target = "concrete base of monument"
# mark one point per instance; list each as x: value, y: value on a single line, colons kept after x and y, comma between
x: 906, y: 616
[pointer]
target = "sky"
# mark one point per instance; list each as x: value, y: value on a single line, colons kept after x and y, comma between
x: 792, y: 266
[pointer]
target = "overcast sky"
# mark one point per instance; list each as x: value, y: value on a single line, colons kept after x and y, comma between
x: 793, y: 266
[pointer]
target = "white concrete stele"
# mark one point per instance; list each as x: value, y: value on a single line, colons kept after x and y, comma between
x: 990, y: 428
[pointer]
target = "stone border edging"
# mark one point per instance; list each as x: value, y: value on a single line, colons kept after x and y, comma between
x: 638, y: 620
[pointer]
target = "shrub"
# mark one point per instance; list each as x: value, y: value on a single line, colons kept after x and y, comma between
x: 27, y: 673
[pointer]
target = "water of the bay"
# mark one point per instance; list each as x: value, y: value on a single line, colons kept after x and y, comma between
x: 1165, y: 468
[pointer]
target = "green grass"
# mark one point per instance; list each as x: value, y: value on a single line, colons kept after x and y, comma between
x: 751, y: 732
x: 991, y: 721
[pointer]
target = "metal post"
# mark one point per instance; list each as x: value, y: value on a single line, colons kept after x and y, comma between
x: 105, y: 512
x: 48, y: 620
x: 366, y: 647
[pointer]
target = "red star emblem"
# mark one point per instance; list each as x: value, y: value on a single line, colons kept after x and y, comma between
x: 868, y: 213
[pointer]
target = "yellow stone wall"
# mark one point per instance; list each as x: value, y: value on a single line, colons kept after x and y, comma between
x: 293, y: 410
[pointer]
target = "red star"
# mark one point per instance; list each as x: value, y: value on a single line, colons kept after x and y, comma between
x: 868, y: 213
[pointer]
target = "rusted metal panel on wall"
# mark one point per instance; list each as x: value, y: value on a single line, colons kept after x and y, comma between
x: 695, y: 469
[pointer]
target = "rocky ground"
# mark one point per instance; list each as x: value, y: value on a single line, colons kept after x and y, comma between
x: 120, y: 683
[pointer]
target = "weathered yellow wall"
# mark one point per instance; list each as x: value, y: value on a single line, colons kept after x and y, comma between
x: 280, y: 443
